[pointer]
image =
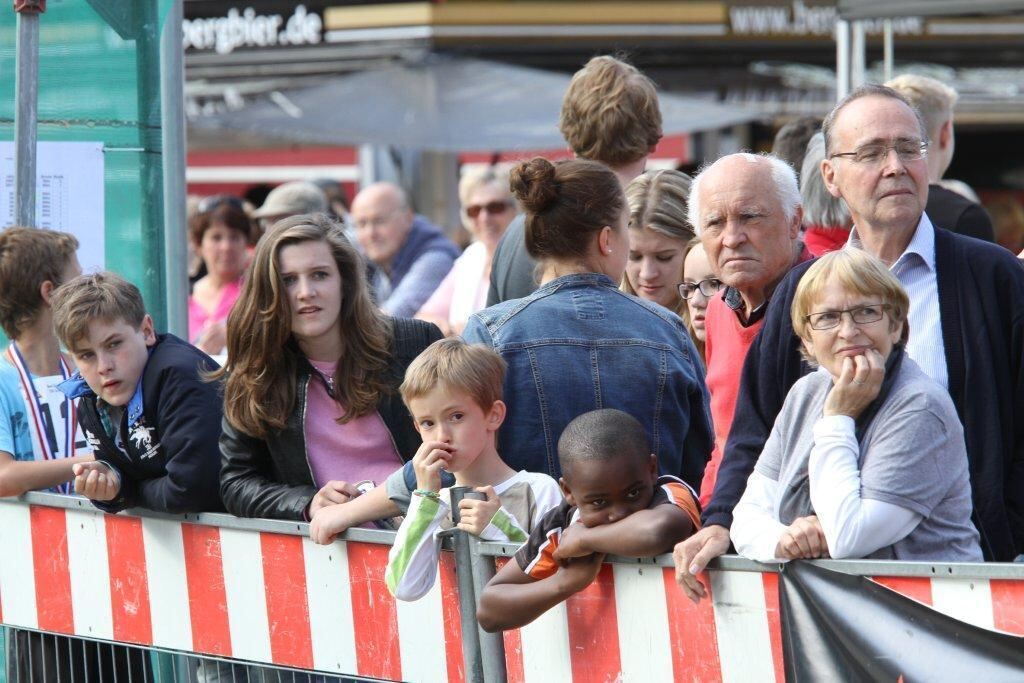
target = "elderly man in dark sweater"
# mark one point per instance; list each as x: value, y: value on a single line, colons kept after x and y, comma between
x: 966, y: 326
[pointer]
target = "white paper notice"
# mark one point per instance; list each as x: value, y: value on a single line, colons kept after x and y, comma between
x: 69, y: 194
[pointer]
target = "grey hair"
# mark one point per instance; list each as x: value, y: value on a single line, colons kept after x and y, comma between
x: 869, y: 90
x: 787, y: 191
x: 820, y: 207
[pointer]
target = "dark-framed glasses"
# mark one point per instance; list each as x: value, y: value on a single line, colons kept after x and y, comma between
x: 708, y: 287
x: 906, y: 150
x: 473, y: 210
x: 861, y: 315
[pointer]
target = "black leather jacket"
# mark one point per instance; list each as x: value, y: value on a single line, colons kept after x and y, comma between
x: 272, y: 478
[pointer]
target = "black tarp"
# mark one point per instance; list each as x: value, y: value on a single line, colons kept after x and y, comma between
x: 841, y: 627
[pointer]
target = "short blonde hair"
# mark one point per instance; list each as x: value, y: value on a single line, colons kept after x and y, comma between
x: 856, y: 271
x: 473, y: 180
x: 933, y: 99
x: 610, y: 113
x: 100, y: 296
x: 453, y: 364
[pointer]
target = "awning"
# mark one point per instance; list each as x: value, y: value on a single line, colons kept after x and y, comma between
x: 852, y: 10
x: 441, y: 103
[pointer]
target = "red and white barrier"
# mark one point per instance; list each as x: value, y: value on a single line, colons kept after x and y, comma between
x: 635, y: 624
x: 279, y: 599
x: 251, y: 595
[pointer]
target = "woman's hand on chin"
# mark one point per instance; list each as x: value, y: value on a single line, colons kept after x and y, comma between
x: 858, y: 385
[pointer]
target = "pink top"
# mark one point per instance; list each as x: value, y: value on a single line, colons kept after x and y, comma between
x: 358, y: 450
x: 463, y: 291
x: 199, y: 318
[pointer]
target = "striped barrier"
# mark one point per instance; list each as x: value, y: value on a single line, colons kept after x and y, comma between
x: 224, y: 587
x: 634, y: 623
x: 260, y: 591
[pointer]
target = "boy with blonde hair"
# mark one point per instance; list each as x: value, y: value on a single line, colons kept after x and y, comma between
x: 453, y: 391
x: 151, y: 418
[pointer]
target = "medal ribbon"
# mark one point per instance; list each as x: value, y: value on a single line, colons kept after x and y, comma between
x: 34, y: 406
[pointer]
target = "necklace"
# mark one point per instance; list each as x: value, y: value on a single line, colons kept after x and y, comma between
x: 327, y: 380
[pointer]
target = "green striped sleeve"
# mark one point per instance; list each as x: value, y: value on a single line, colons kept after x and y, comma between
x: 416, y: 528
x: 506, y: 524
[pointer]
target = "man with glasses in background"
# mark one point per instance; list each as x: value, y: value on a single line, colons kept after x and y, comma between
x: 966, y: 326
x: 746, y: 211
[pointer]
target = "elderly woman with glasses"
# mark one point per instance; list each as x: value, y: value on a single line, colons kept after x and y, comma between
x: 867, y: 457
x: 487, y: 210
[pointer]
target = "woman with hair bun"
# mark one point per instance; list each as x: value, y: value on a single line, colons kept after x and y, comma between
x: 578, y: 343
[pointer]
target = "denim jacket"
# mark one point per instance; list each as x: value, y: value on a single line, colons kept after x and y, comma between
x: 578, y: 344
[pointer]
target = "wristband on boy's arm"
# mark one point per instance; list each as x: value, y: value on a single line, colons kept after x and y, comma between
x: 426, y: 493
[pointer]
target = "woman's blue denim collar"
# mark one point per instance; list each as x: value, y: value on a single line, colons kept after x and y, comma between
x: 579, y: 278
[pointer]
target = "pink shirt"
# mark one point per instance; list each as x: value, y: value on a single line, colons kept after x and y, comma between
x: 463, y: 291
x: 199, y: 318
x: 353, y: 452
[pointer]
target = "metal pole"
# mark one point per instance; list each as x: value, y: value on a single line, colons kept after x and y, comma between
x: 26, y: 93
x: 172, y: 88
x: 857, y: 58
x: 842, y: 59
x: 472, y: 657
x: 887, y: 45
x: 492, y: 645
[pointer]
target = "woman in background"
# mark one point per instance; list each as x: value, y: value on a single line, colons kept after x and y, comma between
x: 487, y: 210
x: 220, y: 233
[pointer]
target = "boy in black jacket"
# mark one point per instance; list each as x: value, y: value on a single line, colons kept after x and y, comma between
x: 151, y: 419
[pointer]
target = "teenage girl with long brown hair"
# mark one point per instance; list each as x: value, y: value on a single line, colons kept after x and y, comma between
x: 311, y: 408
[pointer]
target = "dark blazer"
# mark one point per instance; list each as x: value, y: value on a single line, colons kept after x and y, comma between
x: 981, y: 304
x: 272, y: 478
x: 958, y: 214
x: 171, y: 460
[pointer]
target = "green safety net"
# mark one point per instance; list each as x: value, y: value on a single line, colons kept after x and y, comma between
x: 99, y: 81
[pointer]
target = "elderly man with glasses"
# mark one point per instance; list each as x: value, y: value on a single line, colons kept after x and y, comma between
x: 966, y: 323
x: 746, y: 211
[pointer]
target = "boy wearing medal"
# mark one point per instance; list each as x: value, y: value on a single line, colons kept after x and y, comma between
x: 40, y: 439
x: 146, y: 408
